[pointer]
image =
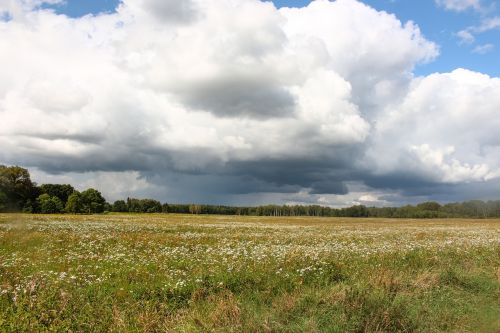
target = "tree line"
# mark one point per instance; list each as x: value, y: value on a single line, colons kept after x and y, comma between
x: 19, y: 194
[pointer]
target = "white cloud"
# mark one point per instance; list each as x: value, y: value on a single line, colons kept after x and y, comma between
x: 450, y: 170
x: 483, y: 49
x: 487, y: 24
x: 443, y: 129
x: 241, y: 59
x: 236, y: 96
x: 467, y: 36
x: 113, y: 185
x: 459, y: 5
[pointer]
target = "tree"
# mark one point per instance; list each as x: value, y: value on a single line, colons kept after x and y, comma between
x: 92, y: 201
x: 120, y: 206
x: 3, y: 201
x: 74, y: 203
x: 49, y: 204
x: 134, y: 205
x: 165, y: 208
x: 107, y: 207
x: 194, y: 209
x: 31, y: 206
x: 143, y: 205
x: 151, y: 206
x: 430, y: 206
x: 62, y: 191
x: 16, y: 184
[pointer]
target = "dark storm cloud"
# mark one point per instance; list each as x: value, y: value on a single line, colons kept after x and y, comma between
x: 235, y: 96
x: 328, y: 187
x: 397, y: 181
x: 209, y: 100
x: 305, y: 173
x: 206, y: 185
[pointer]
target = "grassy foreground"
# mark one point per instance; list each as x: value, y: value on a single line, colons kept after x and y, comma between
x: 179, y: 273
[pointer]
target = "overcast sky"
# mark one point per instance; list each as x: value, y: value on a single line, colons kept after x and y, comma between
x: 250, y: 102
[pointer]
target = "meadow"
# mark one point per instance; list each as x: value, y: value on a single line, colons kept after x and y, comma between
x: 197, y: 273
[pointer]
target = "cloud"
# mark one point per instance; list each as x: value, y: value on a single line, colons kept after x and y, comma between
x: 487, y: 24
x: 442, y: 133
x: 449, y: 170
x: 483, y: 49
x: 236, y: 95
x: 467, y: 36
x: 236, y: 101
x: 113, y: 185
x: 459, y: 5
x: 162, y: 11
x: 5, y: 16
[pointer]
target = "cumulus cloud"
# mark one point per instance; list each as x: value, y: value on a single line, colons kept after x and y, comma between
x: 236, y: 101
x: 443, y: 132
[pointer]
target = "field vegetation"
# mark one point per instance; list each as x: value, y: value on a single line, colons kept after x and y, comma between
x: 208, y: 273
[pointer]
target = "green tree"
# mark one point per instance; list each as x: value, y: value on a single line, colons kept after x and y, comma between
x: 107, y: 207
x: 134, y: 205
x: 31, y: 206
x: 62, y: 191
x: 15, y: 183
x: 3, y: 201
x: 430, y: 206
x: 49, y: 204
x: 120, y: 206
x: 92, y: 201
x: 151, y: 206
x: 74, y: 203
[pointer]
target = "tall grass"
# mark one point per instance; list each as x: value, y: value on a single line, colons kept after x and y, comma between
x: 179, y: 273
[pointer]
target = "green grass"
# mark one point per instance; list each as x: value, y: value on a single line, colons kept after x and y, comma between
x: 180, y: 273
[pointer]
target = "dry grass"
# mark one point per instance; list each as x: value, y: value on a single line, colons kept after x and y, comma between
x: 189, y: 273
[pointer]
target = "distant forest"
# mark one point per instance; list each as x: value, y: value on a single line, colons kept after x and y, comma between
x: 19, y: 194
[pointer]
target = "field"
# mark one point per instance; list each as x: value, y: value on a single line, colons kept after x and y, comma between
x: 192, y: 273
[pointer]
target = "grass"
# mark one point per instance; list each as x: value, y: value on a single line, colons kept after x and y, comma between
x: 180, y: 273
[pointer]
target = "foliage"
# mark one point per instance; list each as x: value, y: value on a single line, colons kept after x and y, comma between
x: 31, y: 206
x: 120, y: 206
x: 92, y: 201
x: 49, y: 204
x: 16, y: 184
x: 431, y: 206
x: 74, y: 204
x: 472, y: 209
x: 62, y: 191
x: 143, y: 206
x: 3, y: 201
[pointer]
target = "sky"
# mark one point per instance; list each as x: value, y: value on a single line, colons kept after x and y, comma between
x: 245, y: 102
